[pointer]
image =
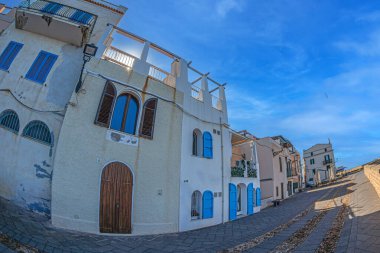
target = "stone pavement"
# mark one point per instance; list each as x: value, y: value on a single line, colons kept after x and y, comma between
x: 33, y: 230
x: 361, y: 231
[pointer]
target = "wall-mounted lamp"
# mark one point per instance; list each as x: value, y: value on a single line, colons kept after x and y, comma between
x: 89, y: 51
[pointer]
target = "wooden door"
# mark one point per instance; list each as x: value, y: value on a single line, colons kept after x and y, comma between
x: 116, y: 199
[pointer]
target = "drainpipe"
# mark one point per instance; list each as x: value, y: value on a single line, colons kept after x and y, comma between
x: 222, y: 167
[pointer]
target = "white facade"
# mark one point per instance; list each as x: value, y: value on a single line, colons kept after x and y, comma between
x: 319, y: 164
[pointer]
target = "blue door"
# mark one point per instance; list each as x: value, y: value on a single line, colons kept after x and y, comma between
x: 233, y: 203
x: 207, y: 205
x: 258, y: 197
x: 250, y: 199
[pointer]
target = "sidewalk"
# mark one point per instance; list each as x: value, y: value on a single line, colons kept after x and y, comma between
x: 361, y: 232
x: 36, y: 231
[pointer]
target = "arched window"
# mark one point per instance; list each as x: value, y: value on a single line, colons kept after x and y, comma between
x: 197, y: 142
x: 9, y: 120
x: 125, y: 114
x: 207, y: 145
x: 39, y: 131
x: 196, y: 199
x: 148, y: 117
x: 103, y: 116
x: 208, y: 205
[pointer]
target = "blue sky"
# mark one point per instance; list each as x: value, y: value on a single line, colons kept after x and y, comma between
x: 306, y: 69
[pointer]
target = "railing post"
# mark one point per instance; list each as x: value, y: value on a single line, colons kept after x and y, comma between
x: 222, y: 103
x: 182, y: 76
x: 105, y: 41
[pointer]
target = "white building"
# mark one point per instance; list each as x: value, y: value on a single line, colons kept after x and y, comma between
x: 136, y: 147
x: 244, y: 186
x: 319, y: 164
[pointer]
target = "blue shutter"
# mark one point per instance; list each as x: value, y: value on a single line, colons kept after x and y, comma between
x: 258, y: 197
x: 9, y: 54
x: 41, y: 67
x: 207, y: 145
x: 207, y: 205
x: 250, y: 199
x: 233, y: 203
x: 52, y: 8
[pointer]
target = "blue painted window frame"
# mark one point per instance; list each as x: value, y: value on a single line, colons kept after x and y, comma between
x: 207, y: 145
x: 250, y: 202
x: 41, y: 67
x: 9, y: 54
x: 258, y: 197
x: 207, y: 205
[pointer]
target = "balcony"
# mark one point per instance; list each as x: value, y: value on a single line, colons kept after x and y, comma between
x: 251, y: 172
x: 240, y: 169
x: 325, y: 162
x: 57, y: 21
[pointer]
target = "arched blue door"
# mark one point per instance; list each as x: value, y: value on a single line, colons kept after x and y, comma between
x: 258, y: 197
x: 250, y: 199
x: 233, y: 204
x: 207, y: 205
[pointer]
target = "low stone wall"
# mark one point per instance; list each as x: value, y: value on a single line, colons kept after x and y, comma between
x: 372, y: 172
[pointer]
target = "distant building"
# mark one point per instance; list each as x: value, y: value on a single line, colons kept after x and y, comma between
x: 319, y: 164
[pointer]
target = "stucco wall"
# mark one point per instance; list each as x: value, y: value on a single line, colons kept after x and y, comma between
x: 83, y: 151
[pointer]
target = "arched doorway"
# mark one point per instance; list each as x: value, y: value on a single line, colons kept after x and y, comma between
x: 116, y: 199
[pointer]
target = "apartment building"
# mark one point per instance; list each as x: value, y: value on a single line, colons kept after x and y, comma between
x: 319, y: 164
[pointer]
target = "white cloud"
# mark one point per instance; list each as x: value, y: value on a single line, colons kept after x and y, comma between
x: 223, y: 7
x: 367, y: 47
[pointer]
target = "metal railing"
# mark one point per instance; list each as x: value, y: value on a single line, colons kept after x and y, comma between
x: 251, y: 172
x: 327, y: 161
x: 60, y: 10
x: 237, y: 172
x: 162, y: 75
x: 120, y: 57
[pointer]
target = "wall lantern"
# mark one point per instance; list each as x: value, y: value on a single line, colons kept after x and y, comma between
x: 89, y: 51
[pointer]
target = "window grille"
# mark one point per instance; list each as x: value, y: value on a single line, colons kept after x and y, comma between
x: 10, y: 121
x: 39, y: 131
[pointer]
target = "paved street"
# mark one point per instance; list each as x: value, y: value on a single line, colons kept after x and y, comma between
x: 299, y: 224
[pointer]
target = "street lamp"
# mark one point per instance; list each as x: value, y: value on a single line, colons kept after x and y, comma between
x: 88, y: 52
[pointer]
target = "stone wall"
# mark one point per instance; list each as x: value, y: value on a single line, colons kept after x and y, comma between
x: 372, y: 172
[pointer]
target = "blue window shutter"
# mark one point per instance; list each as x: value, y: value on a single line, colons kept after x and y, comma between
x: 207, y: 145
x: 250, y: 199
x: 258, y: 197
x: 41, y: 67
x: 233, y: 202
x: 9, y: 54
x: 207, y: 205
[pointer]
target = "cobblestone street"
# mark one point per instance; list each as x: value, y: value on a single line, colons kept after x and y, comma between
x: 299, y: 224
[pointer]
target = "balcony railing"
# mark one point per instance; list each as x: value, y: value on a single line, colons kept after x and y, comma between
x: 162, y: 75
x: 251, y: 172
x: 60, y: 10
x: 237, y: 172
x: 327, y: 161
x: 120, y: 57
x: 196, y: 92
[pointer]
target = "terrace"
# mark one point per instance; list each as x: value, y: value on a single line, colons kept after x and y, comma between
x: 136, y: 53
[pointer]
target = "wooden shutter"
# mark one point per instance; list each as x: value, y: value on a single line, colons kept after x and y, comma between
x: 207, y: 205
x: 9, y: 54
x: 250, y: 199
x: 103, y: 116
x: 207, y: 145
x: 233, y: 203
x: 148, y: 118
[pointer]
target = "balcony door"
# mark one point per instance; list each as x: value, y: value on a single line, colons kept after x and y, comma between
x: 116, y: 199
